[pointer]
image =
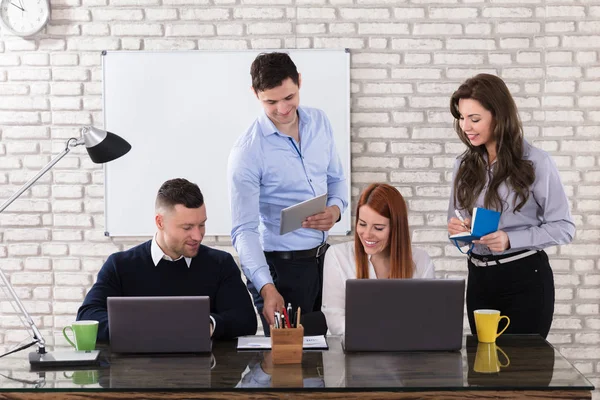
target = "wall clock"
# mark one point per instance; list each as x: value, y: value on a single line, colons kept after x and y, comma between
x: 24, y: 17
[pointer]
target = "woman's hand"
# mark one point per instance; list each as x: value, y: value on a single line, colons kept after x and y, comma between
x: 497, y: 241
x: 455, y: 226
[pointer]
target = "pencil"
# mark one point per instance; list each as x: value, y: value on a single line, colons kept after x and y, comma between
x: 298, y: 319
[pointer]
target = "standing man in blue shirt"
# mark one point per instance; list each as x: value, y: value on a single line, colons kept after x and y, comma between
x: 287, y: 155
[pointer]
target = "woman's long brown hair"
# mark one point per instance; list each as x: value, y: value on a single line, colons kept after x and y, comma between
x: 491, y: 92
x: 386, y: 201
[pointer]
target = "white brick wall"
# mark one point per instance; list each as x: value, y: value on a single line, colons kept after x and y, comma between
x: 407, y: 58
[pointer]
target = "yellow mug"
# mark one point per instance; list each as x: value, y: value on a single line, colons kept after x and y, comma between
x: 486, y: 324
x: 486, y: 358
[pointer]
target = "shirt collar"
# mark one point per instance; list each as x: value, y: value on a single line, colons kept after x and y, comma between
x: 372, y: 274
x: 267, y: 126
x: 526, y: 152
x: 526, y: 149
x: 158, y: 254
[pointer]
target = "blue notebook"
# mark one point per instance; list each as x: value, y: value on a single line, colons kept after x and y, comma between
x: 484, y: 222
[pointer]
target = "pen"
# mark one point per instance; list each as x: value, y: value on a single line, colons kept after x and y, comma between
x: 287, y: 318
x: 289, y: 315
x: 279, y: 320
x: 460, y: 217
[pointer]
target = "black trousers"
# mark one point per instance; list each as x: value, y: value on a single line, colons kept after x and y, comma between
x: 299, y: 281
x: 523, y: 290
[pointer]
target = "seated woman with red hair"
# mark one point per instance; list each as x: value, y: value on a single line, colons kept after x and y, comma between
x: 381, y: 250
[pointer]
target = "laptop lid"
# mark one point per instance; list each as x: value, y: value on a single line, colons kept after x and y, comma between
x: 404, y: 314
x: 174, y: 324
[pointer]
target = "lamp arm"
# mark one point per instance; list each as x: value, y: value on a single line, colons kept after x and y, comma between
x: 37, y: 336
x: 72, y: 142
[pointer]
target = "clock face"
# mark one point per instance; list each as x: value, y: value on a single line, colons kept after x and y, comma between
x: 24, y: 17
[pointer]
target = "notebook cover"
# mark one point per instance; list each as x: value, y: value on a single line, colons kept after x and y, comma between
x: 485, y: 222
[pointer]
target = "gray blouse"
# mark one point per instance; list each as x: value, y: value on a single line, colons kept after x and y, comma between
x: 545, y: 219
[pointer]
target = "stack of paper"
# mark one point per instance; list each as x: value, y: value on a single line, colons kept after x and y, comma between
x: 262, y: 342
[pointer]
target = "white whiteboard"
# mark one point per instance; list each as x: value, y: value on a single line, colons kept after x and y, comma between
x: 182, y: 112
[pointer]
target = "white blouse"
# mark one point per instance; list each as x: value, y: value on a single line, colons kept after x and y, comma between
x: 340, y: 266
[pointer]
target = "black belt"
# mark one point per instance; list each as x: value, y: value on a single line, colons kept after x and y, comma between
x: 298, y: 254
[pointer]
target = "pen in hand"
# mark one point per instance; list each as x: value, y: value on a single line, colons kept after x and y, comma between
x: 457, y: 213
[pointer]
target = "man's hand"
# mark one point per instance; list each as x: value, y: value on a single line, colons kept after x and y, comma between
x: 323, y: 221
x: 455, y: 226
x: 272, y: 302
x: 497, y: 241
x: 267, y: 363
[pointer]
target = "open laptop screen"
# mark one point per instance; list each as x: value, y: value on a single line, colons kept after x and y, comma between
x: 404, y: 314
x: 173, y: 324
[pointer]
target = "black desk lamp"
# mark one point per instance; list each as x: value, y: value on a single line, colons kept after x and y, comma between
x: 102, y: 147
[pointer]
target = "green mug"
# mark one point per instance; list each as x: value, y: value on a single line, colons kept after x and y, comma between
x: 84, y: 332
x: 86, y: 377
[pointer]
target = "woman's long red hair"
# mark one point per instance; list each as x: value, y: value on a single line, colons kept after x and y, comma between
x: 386, y: 201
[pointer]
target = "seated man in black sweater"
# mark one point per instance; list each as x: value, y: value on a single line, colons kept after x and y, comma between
x: 174, y: 263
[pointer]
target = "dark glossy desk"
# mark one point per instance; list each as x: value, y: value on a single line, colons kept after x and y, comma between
x: 536, y: 371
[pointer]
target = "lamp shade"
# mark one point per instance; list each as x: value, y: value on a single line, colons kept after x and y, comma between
x: 103, y: 146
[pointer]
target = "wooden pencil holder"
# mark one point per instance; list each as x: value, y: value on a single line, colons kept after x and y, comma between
x: 286, y: 345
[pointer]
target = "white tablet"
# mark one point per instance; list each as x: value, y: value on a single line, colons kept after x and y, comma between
x: 293, y: 216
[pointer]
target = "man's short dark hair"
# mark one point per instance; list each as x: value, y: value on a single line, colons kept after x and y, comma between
x: 269, y: 70
x: 179, y: 191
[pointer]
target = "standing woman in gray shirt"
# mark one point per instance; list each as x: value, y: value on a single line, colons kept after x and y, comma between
x: 508, y: 269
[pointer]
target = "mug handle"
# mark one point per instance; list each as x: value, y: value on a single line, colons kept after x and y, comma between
x: 505, y: 356
x: 507, y: 323
x: 66, y: 337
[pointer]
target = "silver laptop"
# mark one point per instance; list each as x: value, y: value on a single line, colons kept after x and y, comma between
x: 404, y: 314
x: 176, y: 324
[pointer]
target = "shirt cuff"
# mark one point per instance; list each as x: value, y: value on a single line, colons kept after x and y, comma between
x: 259, y: 375
x: 334, y: 201
x: 516, y: 238
x: 214, y: 323
x: 261, y: 278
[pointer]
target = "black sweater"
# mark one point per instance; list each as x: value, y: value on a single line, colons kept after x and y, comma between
x: 212, y: 273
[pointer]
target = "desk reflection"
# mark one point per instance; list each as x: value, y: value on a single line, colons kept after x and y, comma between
x: 528, y: 361
x: 158, y: 371
x: 221, y: 368
x: 380, y: 370
x: 35, y: 383
x: 262, y: 373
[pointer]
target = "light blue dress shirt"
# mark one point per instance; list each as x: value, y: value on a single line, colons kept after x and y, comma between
x: 269, y: 171
x: 545, y: 219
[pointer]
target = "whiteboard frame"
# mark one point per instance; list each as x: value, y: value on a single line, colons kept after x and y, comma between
x: 346, y: 219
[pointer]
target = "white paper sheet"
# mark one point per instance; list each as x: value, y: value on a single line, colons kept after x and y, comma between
x: 262, y: 343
